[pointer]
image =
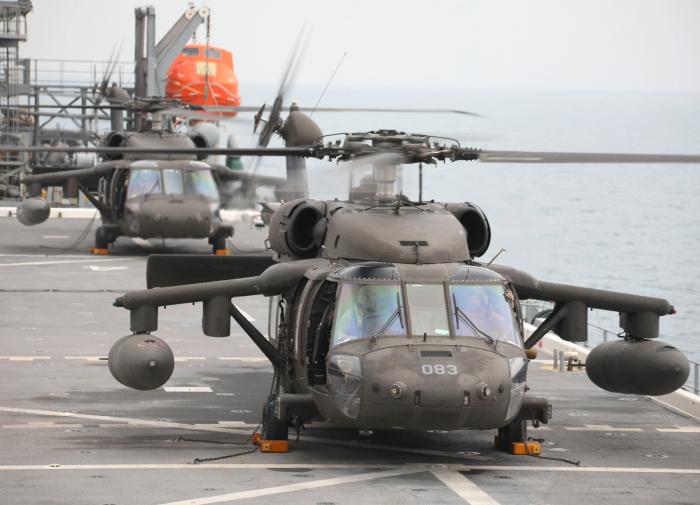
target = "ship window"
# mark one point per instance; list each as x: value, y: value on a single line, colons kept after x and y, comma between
x: 144, y: 181
x: 172, y: 181
x: 483, y: 310
x: 368, y: 310
x: 213, y: 53
x: 426, y: 308
x: 190, y: 51
x: 201, y: 182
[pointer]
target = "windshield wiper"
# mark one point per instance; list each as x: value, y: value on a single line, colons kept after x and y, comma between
x: 389, y: 322
x: 460, y: 314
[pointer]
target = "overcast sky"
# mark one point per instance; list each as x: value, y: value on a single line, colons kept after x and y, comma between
x: 601, y: 45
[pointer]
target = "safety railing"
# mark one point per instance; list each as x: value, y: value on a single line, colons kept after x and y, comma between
x: 530, y: 309
x: 77, y: 73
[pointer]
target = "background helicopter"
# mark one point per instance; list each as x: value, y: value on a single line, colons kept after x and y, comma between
x: 382, y: 316
x: 154, y: 182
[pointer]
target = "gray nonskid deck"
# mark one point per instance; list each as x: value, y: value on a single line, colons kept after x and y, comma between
x: 71, y: 434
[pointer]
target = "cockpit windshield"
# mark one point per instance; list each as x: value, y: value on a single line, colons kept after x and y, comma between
x: 426, y: 308
x: 144, y: 181
x: 368, y: 310
x: 483, y: 310
x: 201, y: 182
x: 172, y: 181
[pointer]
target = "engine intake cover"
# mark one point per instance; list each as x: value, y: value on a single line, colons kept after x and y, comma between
x: 294, y: 231
x: 474, y: 221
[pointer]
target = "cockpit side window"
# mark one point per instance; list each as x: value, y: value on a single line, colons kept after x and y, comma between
x: 483, y: 310
x: 201, y: 182
x: 426, y: 308
x: 368, y: 310
x: 144, y: 181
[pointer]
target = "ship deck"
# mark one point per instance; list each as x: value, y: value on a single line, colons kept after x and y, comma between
x: 71, y: 434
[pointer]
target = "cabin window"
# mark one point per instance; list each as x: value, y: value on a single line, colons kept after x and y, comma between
x: 483, y: 310
x: 172, y: 181
x: 368, y: 310
x: 144, y: 181
x: 190, y: 51
x: 426, y: 308
x: 213, y: 53
x: 201, y: 182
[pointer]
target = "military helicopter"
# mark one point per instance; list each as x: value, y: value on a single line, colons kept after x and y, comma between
x: 382, y: 315
x: 155, y: 181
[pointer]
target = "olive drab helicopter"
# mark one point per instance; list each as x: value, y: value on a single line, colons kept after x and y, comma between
x: 157, y: 182
x: 382, y: 315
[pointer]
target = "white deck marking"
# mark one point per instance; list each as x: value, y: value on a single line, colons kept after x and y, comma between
x: 187, y: 389
x: 299, y: 486
x: 244, y: 360
x: 97, y: 268
x: 25, y: 358
x: 129, y: 420
x: 466, y: 489
x: 88, y: 358
x: 142, y: 243
x: 414, y: 467
x: 246, y: 315
x: 60, y: 262
x: 42, y: 424
x: 680, y: 429
x: 44, y: 256
x: 599, y: 427
x: 199, y: 466
x: 55, y: 237
x: 190, y: 358
x: 230, y: 424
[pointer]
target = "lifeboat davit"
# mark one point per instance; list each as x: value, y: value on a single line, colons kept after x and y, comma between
x: 204, y: 76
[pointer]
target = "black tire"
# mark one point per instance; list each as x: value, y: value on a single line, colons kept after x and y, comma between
x: 272, y: 427
x: 103, y: 238
x: 516, y: 431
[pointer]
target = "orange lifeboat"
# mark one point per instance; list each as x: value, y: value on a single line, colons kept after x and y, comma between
x: 205, y: 77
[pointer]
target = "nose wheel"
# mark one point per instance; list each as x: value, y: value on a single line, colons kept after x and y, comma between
x: 218, y: 240
x: 104, y: 237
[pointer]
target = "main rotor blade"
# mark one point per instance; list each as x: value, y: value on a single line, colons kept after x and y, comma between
x: 214, y: 111
x: 219, y: 151
x: 567, y: 157
x: 392, y: 110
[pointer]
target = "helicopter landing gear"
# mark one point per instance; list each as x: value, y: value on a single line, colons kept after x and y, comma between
x: 273, y: 428
x: 104, y: 236
x: 515, y: 432
x: 218, y: 241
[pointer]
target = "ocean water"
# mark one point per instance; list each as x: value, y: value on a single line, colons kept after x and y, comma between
x: 630, y: 228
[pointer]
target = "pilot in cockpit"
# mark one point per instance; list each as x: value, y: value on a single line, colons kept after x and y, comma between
x: 369, y: 310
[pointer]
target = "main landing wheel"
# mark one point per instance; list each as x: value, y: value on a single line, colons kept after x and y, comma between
x: 516, y: 431
x: 104, y: 236
x: 273, y: 428
x: 218, y: 244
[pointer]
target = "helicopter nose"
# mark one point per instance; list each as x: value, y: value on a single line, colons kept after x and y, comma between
x: 435, y: 388
x: 175, y: 218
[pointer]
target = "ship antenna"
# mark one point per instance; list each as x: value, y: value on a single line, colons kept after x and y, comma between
x: 328, y: 83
